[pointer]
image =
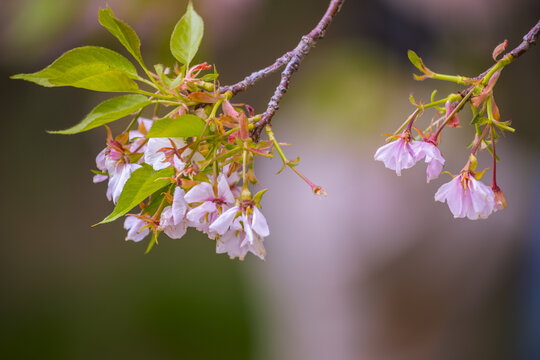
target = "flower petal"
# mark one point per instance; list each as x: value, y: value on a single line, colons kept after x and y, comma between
x: 200, y: 193
x: 259, y: 224
x: 224, y: 221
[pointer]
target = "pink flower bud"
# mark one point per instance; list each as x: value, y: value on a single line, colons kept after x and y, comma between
x: 500, y: 199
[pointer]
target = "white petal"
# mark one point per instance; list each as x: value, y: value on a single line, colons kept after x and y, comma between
x: 200, y: 193
x: 176, y: 231
x: 247, y: 230
x: 117, y: 182
x: 197, y: 214
x: 224, y: 221
x: 134, y: 225
x: 99, y: 178
x: 178, y: 164
x: 259, y: 223
x: 100, y: 160
x: 179, y: 205
x: 224, y: 191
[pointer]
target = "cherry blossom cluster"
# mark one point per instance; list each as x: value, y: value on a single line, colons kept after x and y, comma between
x: 190, y: 164
x: 214, y: 205
x: 466, y: 195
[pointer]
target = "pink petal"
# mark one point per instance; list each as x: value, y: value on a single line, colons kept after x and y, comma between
x: 224, y: 221
x: 224, y: 191
x: 200, y: 193
x: 259, y: 223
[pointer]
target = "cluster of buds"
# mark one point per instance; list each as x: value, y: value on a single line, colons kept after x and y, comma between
x: 192, y: 163
x: 465, y: 195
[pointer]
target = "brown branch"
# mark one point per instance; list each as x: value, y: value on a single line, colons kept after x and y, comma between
x: 304, y: 46
x: 528, y: 40
x: 250, y: 80
x: 291, y: 60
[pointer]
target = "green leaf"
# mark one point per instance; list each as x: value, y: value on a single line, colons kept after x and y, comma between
x: 184, y: 126
x: 122, y: 31
x: 187, y: 36
x: 417, y: 62
x: 152, y: 242
x: 87, y: 67
x: 142, y: 183
x: 108, y: 111
x: 210, y: 77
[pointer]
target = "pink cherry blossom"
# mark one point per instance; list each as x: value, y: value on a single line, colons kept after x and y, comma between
x: 161, y: 153
x: 467, y: 197
x: 398, y: 154
x: 204, y: 214
x: 135, y: 228
x: 254, y: 225
x: 432, y: 155
x: 113, y: 162
x: 234, y: 243
x: 173, y: 218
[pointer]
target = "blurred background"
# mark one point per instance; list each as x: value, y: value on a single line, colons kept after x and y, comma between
x: 377, y: 270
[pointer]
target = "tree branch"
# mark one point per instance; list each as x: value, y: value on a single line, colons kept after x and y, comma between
x: 308, y: 41
x: 291, y: 60
x: 528, y: 40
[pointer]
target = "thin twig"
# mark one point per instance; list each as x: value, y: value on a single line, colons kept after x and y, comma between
x: 291, y: 60
x: 250, y: 80
x: 308, y: 41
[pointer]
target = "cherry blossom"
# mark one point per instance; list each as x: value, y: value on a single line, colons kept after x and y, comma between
x: 467, y: 197
x: 162, y: 153
x: 211, y: 204
x: 432, y: 155
x: 254, y: 223
x: 398, y: 154
x: 136, y: 228
x: 173, y: 218
x: 234, y: 243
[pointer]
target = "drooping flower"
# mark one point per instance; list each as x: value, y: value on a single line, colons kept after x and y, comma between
x: 114, y: 163
x: 467, y: 197
x: 432, y: 155
x: 253, y: 222
x: 398, y: 154
x: 136, y: 228
x: 173, y: 218
x: 234, y: 243
x: 207, y: 211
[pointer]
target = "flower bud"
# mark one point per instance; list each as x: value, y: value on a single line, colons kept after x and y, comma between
x: 500, y: 199
x: 246, y: 194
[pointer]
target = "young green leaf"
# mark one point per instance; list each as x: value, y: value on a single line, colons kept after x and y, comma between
x: 108, y: 111
x: 417, y: 62
x: 122, y: 31
x: 187, y: 36
x: 87, y: 67
x: 142, y: 183
x: 184, y: 126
